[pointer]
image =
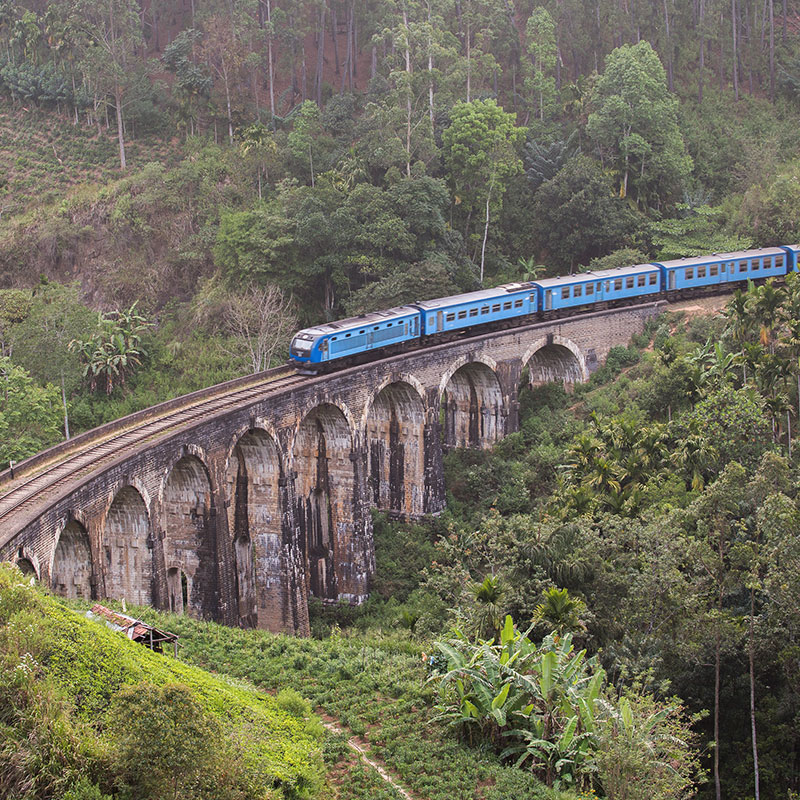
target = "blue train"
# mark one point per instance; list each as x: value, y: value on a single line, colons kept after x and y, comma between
x: 355, y: 340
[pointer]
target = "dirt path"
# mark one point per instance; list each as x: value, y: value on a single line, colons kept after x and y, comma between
x: 362, y: 753
x: 701, y: 306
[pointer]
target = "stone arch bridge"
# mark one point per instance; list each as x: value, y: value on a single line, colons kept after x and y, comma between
x: 240, y: 502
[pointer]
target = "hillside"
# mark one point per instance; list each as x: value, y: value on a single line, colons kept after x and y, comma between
x: 75, y: 697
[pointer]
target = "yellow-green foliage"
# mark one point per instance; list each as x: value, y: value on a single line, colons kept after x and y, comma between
x: 51, y: 651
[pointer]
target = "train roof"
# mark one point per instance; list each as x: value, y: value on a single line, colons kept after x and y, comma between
x: 372, y: 318
x: 715, y: 258
x: 600, y: 275
x: 472, y: 297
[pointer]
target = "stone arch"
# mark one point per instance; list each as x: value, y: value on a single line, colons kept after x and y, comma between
x: 71, y: 574
x: 473, y: 412
x: 395, y: 443
x: 325, y: 488
x: 127, y: 548
x: 252, y: 488
x: 27, y: 563
x: 554, y: 358
x: 190, y: 539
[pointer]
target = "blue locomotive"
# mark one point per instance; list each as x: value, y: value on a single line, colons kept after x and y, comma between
x: 354, y: 340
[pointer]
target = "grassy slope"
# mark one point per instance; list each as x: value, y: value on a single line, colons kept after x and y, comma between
x: 87, y: 664
x: 377, y: 688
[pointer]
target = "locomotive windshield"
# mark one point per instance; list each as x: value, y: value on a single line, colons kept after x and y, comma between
x: 303, y: 341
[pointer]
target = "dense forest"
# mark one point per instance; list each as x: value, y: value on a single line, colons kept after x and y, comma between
x: 183, y: 168
x: 609, y: 606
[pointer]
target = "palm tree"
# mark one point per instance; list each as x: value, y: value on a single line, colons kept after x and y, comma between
x: 764, y: 304
x: 560, y: 612
x: 740, y: 323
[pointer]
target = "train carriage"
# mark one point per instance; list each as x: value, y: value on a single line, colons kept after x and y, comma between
x: 608, y: 285
x: 477, y: 308
x: 720, y: 268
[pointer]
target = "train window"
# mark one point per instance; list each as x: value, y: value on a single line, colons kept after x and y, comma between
x: 451, y: 318
x: 495, y: 308
x: 689, y: 273
x: 640, y: 279
x: 519, y: 303
x: 742, y: 266
x: 485, y: 310
x: 362, y: 331
x: 629, y: 282
x: 769, y: 263
x: 533, y: 298
x: 347, y: 336
x: 755, y: 264
x: 589, y: 288
x: 713, y: 270
x: 779, y: 262
x: 578, y: 290
x: 565, y: 293
x: 462, y: 314
x: 617, y: 284
x: 473, y: 312
x: 653, y: 278
x: 701, y: 272
x: 376, y: 328
x: 333, y: 338
x: 507, y: 306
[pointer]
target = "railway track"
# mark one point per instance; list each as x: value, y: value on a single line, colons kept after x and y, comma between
x: 37, y: 485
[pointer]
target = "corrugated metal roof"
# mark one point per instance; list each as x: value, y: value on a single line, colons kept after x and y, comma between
x: 600, y: 275
x: 715, y: 258
x: 472, y: 297
x: 359, y: 322
x: 134, y: 629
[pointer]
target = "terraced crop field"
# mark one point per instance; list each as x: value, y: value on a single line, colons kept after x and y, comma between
x: 44, y: 155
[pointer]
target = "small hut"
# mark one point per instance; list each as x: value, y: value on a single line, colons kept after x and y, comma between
x: 134, y: 629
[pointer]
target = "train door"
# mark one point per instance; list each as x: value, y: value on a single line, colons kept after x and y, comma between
x: 323, y: 350
x: 415, y: 326
x: 548, y: 300
x: 671, y: 279
x: 439, y: 321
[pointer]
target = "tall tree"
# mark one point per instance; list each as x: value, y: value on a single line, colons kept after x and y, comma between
x: 635, y: 125
x: 114, y: 32
x: 480, y: 156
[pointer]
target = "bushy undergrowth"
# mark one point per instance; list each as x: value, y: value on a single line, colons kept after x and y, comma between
x: 75, y: 700
x: 376, y: 685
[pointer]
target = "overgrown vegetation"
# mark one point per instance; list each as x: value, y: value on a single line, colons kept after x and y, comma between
x: 85, y: 714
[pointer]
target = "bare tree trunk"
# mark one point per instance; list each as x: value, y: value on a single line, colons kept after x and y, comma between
x: 351, y: 39
x: 771, y: 62
x: 64, y: 403
x: 431, y: 112
x: 701, y: 72
x: 270, y: 66
x: 735, y: 52
x: 668, y: 47
x: 408, y: 90
x: 334, y: 32
x: 320, y: 53
x: 120, y: 128
x: 753, y: 700
x: 486, y: 228
x: 469, y: 62
x: 717, y: 648
x: 349, y: 52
